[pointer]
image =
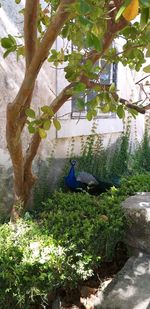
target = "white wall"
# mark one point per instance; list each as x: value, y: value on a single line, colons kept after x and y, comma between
x: 49, y: 83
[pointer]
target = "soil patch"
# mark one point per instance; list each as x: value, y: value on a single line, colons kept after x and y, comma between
x: 82, y: 296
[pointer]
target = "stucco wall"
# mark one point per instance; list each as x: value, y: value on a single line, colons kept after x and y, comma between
x: 48, y: 84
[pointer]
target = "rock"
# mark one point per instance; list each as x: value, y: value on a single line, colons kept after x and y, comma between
x: 86, y: 291
x: 137, y: 212
x: 130, y: 289
x: 56, y: 304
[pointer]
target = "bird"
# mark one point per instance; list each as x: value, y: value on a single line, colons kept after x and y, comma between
x: 87, y: 182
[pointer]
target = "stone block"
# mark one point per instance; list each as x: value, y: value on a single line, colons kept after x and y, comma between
x: 137, y: 212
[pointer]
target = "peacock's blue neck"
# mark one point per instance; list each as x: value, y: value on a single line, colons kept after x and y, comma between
x: 71, y: 179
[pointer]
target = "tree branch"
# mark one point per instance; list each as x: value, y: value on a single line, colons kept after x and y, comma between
x: 111, y: 31
x: 64, y: 95
x: 30, y: 29
x: 41, y: 54
x: 30, y: 38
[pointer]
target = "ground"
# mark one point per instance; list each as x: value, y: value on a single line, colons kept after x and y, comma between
x: 84, y: 295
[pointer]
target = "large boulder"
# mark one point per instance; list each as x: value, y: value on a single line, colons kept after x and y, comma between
x: 131, y: 287
x: 137, y: 212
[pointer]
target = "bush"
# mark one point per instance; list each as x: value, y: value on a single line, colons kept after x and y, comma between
x: 63, y: 245
x: 88, y: 223
x: 141, y: 156
x: 30, y: 263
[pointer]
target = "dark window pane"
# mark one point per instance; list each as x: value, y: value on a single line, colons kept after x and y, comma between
x: 105, y: 76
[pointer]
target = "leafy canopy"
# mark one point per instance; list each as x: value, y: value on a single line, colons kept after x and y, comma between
x: 86, y: 31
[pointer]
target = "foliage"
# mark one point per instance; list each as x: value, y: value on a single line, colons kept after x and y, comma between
x: 68, y: 239
x: 89, y: 27
x: 104, y: 163
x: 74, y: 232
x: 141, y: 157
x: 30, y: 263
x: 41, y: 189
x: 86, y: 29
x: 116, y: 160
x: 136, y: 183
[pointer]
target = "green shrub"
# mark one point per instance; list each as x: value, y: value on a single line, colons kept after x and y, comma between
x: 85, y: 221
x: 60, y: 249
x: 141, y: 156
x: 41, y: 189
x: 63, y: 244
x: 30, y: 263
x: 137, y: 183
x: 118, y: 161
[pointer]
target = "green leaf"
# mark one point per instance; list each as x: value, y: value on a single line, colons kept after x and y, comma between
x: 17, y: 1
x: 122, y: 8
x: 31, y: 129
x: 79, y: 87
x: 133, y: 112
x: 94, y: 112
x: 42, y: 133
x: 57, y: 124
x: 145, y: 14
x: 89, y: 115
x: 120, y: 112
x: 47, y: 110
x: 148, y: 51
x: 20, y: 51
x: 12, y: 39
x: 46, y: 125
x: 96, y: 42
x: 147, y: 69
x: 84, y: 7
x: 112, y: 87
x: 93, y: 41
x: 105, y: 108
x: 80, y: 104
x: 85, y: 21
x: 145, y: 3
x: 8, y: 51
x: 6, y: 43
x: 30, y: 113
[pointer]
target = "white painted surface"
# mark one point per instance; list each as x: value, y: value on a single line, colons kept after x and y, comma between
x: 50, y: 83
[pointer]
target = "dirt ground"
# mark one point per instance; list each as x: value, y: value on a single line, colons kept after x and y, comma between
x: 83, y: 296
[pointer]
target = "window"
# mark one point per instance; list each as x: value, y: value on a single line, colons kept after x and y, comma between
x: 108, y: 76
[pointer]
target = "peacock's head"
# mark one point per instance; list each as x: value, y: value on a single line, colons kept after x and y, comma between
x: 73, y: 162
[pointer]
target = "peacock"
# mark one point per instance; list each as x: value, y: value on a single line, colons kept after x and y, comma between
x: 87, y: 182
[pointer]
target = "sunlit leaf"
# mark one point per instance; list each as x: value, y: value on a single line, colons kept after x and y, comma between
x: 47, y: 110
x: 89, y: 115
x: 122, y: 8
x: 120, y: 112
x: 6, y: 43
x: 46, y: 125
x: 31, y: 129
x: 42, y: 133
x: 30, y: 113
x: 79, y: 87
x: 147, y: 69
x: 57, y: 124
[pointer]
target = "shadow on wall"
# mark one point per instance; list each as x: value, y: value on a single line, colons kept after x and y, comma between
x: 6, y: 192
x: 49, y: 172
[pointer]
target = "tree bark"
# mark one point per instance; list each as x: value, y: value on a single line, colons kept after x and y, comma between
x: 16, y: 118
